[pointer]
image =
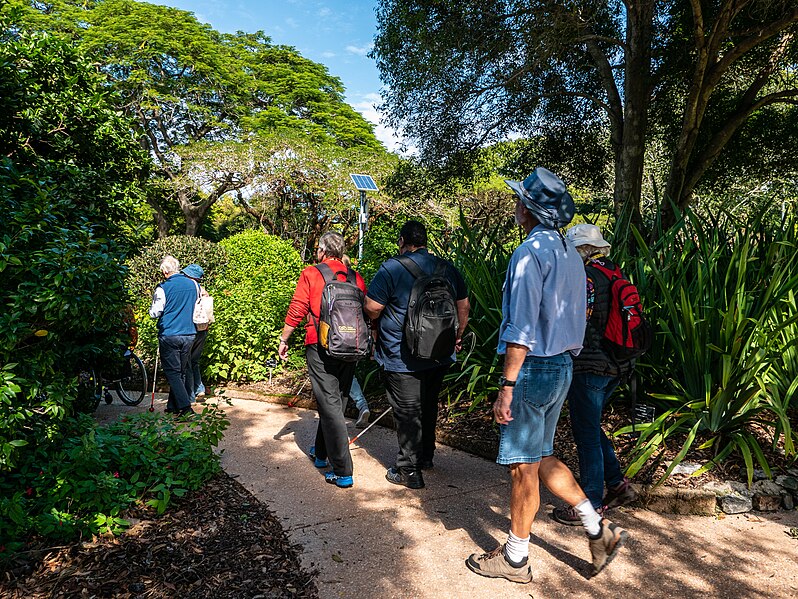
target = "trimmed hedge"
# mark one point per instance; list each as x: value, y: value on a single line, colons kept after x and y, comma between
x: 250, y: 302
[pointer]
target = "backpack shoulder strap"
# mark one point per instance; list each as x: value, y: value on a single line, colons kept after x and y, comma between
x: 612, y: 275
x: 351, y: 277
x: 411, y: 266
x: 440, y: 267
x: 326, y: 272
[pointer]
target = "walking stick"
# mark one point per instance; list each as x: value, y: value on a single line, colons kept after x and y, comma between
x: 296, y: 397
x: 365, y: 430
x: 154, y: 377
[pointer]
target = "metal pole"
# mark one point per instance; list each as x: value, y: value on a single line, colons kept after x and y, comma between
x: 361, y: 223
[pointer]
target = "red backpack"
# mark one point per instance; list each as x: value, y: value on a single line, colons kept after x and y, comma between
x: 628, y: 334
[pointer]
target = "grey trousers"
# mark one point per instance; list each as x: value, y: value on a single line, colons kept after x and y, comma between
x: 331, y: 380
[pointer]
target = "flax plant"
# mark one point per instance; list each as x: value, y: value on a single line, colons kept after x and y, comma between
x: 721, y: 296
x: 481, y: 255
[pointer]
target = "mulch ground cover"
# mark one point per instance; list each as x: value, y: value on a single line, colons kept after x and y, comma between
x: 219, y: 542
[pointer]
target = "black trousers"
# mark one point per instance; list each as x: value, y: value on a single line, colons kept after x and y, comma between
x: 414, y: 399
x: 331, y: 380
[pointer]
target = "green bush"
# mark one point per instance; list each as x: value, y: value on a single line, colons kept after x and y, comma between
x: 99, y: 471
x: 250, y: 302
x: 144, y: 274
x: 70, y: 174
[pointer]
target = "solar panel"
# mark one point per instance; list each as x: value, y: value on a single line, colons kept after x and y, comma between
x: 363, y: 182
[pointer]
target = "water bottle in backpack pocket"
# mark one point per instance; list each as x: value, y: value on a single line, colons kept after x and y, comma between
x: 430, y: 327
x: 342, y: 327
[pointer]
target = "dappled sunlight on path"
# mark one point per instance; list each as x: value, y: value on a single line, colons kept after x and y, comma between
x: 379, y: 540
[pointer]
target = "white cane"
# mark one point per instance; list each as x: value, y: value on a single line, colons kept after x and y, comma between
x: 154, y: 377
x: 365, y: 430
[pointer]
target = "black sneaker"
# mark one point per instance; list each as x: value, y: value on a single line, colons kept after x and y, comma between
x: 426, y: 465
x: 412, y: 479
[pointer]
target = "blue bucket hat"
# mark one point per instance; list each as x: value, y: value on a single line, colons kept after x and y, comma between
x: 545, y: 196
x: 194, y: 271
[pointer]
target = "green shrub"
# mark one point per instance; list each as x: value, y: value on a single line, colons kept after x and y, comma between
x: 250, y: 302
x: 144, y: 273
x: 99, y: 471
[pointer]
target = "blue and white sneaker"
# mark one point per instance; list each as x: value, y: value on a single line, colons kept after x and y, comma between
x: 343, y: 482
x: 319, y: 463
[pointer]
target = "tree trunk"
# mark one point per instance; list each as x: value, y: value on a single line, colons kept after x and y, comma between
x: 630, y: 160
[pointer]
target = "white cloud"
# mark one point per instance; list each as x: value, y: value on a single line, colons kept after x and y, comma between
x: 324, y: 12
x: 291, y: 22
x: 388, y: 136
x: 328, y: 54
x: 360, y: 51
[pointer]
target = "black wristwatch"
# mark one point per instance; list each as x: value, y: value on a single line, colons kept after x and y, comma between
x: 503, y: 382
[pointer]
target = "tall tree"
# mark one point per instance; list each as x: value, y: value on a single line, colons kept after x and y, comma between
x: 681, y: 77
x: 185, y: 83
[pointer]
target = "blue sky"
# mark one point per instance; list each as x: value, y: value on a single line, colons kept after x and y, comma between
x: 335, y: 33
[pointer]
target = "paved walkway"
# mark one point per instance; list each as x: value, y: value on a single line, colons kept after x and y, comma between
x: 379, y: 540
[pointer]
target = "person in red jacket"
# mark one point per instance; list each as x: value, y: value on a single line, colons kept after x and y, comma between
x: 330, y: 379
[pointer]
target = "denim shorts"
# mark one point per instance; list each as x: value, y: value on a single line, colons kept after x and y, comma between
x: 537, y: 400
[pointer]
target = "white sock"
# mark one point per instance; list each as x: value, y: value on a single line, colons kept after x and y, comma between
x: 516, y: 549
x: 591, y: 519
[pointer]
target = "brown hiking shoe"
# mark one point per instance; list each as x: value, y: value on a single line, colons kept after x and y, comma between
x: 619, y: 495
x: 605, y: 546
x: 495, y: 565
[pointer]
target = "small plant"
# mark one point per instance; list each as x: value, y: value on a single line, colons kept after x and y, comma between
x: 83, y: 485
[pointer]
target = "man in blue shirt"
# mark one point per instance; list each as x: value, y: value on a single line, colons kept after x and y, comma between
x: 412, y: 383
x: 543, y: 308
x: 173, y: 306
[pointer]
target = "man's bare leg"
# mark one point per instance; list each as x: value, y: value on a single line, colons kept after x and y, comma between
x: 559, y: 479
x: 524, y: 498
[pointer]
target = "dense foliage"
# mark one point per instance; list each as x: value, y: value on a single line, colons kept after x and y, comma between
x: 196, y: 93
x: 683, y: 93
x: 722, y: 296
x: 72, y: 172
x: 251, y: 302
x: 82, y: 487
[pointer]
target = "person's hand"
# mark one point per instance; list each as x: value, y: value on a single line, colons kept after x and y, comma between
x: 458, y: 345
x: 501, y: 407
x: 282, y: 350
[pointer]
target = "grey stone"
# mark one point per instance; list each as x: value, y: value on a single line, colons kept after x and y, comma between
x: 788, y: 482
x: 766, y: 487
x: 718, y: 488
x: 735, y: 503
x: 788, y: 502
x: 742, y: 489
x: 760, y: 474
x: 686, y: 468
x: 767, y: 503
x: 792, y: 472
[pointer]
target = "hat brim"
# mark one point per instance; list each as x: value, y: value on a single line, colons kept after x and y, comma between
x: 563, y: 215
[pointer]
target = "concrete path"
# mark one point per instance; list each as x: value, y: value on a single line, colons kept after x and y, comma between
x: 379, y: 540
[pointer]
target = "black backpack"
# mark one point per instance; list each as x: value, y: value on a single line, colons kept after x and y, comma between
x: 430, y: 328
x: 342, y: 327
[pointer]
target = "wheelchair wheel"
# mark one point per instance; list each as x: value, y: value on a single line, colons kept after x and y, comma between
x: 132, y: 387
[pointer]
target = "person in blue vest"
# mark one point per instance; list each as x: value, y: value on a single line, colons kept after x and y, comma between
x: 173, y: 306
